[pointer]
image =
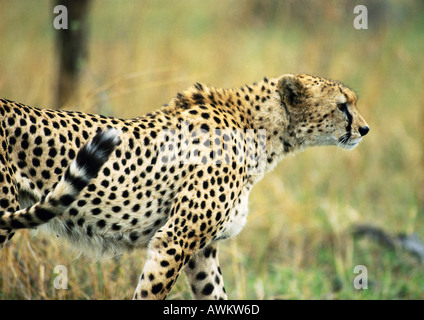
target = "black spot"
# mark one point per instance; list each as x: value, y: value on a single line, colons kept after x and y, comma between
x: 38, y: 151
x: 170, y: 273
x: 45, y: 174
x: 218, y: 216
x: 81, y: 203
x: 207, y: 252
x: 36, y: 162
x: 171, y: 252
x: 202, y: 226
x: 117, y: 227
x: 106, y: 171
x: 209, y: 213
x: 101, y: 223
x: 39, y: 184
x: 192, y: 264
x: 205, y: 115
x: 24, y: 144
x: 52, y: 152
x: 64, y: 163
x: 201, y: 275
x: 49, y: 163
x: 96, y: 211
x: 134, y: 236
x: 207, y: 289
x: 90, y: 231
x: 205, y: 127
x: 116, y: 209
x: 4, y: 203
x: 157, y: 288
x: 105, y: 183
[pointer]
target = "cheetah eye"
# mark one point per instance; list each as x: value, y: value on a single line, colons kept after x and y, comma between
x: 342, y: 107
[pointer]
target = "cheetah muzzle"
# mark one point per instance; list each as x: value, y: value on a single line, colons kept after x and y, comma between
x: 176, y: 180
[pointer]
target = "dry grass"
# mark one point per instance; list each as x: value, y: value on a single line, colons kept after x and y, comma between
x: 295, y: 244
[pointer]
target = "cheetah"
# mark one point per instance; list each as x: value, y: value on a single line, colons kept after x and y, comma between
x: 176, y: 180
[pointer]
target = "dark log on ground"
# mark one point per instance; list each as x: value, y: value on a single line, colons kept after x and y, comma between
x: 410, y: 243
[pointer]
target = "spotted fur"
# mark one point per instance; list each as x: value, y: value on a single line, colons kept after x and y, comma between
x: 176, y: 180
x: 82, y: 170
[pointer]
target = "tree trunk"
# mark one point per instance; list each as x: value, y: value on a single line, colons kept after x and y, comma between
x: 71, y: 49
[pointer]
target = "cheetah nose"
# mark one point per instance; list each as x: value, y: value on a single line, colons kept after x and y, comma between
x: 364, y: 130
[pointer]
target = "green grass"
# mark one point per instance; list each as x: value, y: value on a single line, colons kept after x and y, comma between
x: 296, y: 244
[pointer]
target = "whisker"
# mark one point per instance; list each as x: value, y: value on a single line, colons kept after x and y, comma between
x: 344, y: 140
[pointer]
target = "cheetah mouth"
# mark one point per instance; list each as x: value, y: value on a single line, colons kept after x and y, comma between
x: 346, y: 141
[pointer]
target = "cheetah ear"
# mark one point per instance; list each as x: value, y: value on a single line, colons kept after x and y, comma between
x: 291, y: 90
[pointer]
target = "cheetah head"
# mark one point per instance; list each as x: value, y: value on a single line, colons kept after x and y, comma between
x: 323, y: 111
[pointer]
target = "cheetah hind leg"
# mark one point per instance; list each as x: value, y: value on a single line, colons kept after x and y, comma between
x: 9, y: 193
x: 204, y: 274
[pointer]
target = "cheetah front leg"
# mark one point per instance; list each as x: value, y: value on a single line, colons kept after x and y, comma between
x: 169, y: 250
x: 204, y: 274
x: 195, y: 219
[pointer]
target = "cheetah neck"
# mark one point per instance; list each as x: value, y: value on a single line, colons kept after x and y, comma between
x: 256, y: 107
x: 264, y: 111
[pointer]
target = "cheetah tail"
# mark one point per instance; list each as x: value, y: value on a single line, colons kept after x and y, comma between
x: 88, y: 162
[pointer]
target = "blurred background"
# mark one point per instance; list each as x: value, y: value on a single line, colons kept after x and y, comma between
x: 319, y: 214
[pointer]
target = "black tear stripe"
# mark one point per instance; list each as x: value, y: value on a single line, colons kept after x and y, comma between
x: 345, y: 138
x: 349, y: 122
